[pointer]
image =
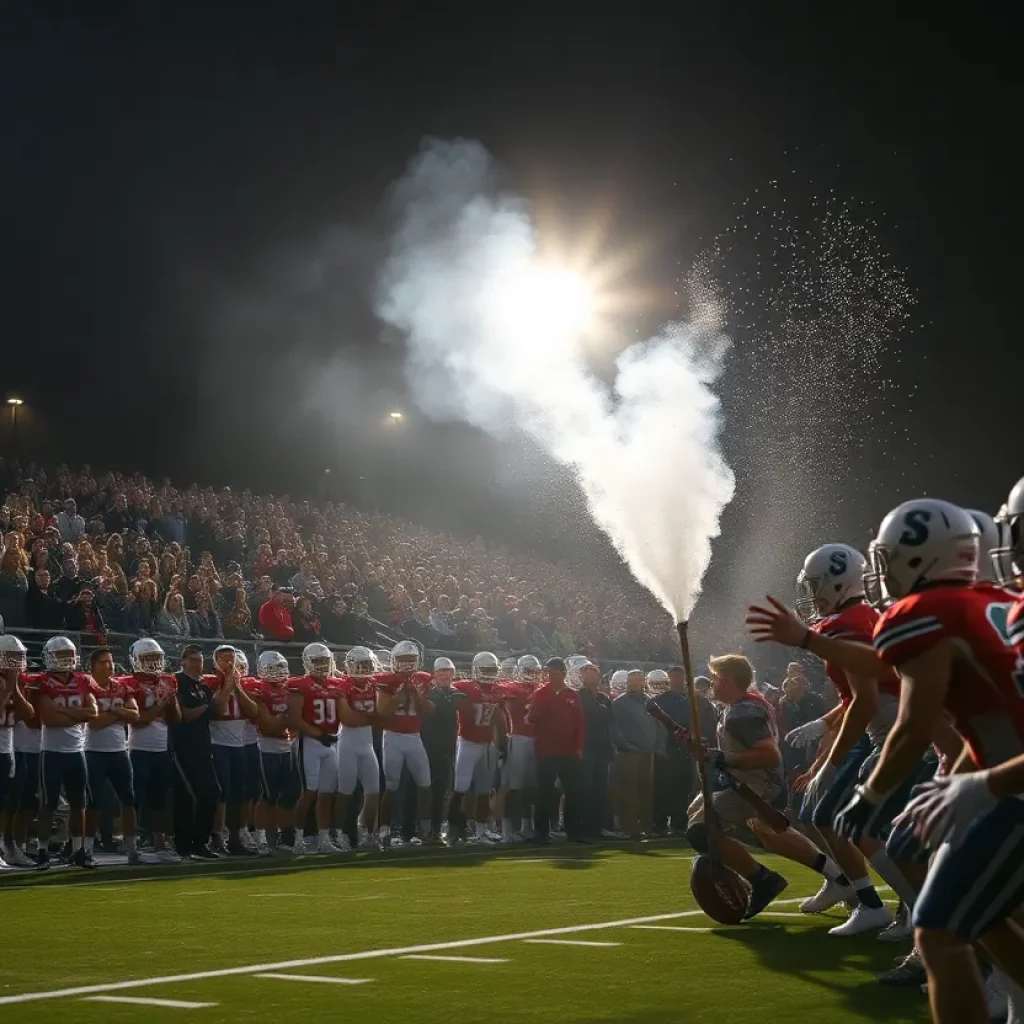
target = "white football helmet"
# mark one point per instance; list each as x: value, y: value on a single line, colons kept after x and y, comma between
x: 147, y: 657
x: 360, y: 663
x: 832, y: 575
x: 508, y: 668
x: 383, y: 659
x: 1008, y: 557
x: 12, y: 653
x: 486, y: 668
x: 528, y: 669
x: 922, y: 541
x: 60, y: 655
x: 617, y: 683
x: 241, y: 663
x: 573, y: 664
x: 657, y: 680
x: 317, y: 660
x: 405, y: 656
x: 990, y: 541
x: 273, y: 667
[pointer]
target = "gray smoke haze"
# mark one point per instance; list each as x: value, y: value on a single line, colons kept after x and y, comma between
x: 645, y: 450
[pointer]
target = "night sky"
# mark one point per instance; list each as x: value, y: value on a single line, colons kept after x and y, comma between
x: 192, y: 220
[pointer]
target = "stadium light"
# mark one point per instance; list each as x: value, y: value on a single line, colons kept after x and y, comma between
x: 395, y: 416
x: 15, y: 401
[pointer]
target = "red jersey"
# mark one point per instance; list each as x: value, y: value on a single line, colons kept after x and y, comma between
x: 69, y: 693
x: 515, y: 698
x: 319, y: 702
x: 856, y: 623
x: 985, y: 698
x: 405, y: 718
x: 476, y: 718
x: 233, y: 712
x: 272, y: 695
x: 361, y: 694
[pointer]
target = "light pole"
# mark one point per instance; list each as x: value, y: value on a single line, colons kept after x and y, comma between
x: 15, y: 404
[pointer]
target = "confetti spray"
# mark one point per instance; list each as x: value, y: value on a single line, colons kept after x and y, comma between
x: 645, y: 452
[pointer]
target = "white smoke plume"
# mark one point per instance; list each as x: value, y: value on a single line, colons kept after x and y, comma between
x: 644, y: 451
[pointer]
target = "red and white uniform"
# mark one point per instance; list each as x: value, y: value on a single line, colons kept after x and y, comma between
x: 70, y: 693
x: 520, y: 768
x: 475, y: 755
x: 857, y: 623
x: 985, y: 698
x: 357, y: 760
x: 318, y: 765
x: 227, y: 728
x: 402, y: 744
x: 274, y: 697
x: 113, y: 738
x: 8, y: 723
x: 147, y: 690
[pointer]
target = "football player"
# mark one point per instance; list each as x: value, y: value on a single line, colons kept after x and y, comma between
x: 657, y: 681
x: 232, y: 706
x: 313, y: 716
x: 519, y: 772
x: 152, y: 689
x: 14, y: 708
x: 947, y: 637
x: 481, y: 729
x: 106, y: 750
x: 357, y: 760
x: 402, y: 700
x: 66, y: 700
x: 278, y: 775
x: 253, y: 790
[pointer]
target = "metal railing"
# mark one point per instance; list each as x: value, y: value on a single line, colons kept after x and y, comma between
x: 119, y: 644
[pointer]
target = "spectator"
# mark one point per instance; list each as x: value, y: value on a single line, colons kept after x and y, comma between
x: 43, y: 608
x: 440, y: 620
x: 173, y: 619
x: 674, y: 777
x: 110, y: 597
x: 562, y: 639
x: 204, y: 621
x: 598, y: 753
x: 343, y: 627
x: 115, y: 519
x: 192, y: 591
x: 305, y: 624
x: 637, y: 738
x: 13, y: 588
x: 69, y: 582
x: 276, y: 617
x: 69, y: 523
x: 82, y: 615
x: 263, y: 593
x: 708, y: 709
x: 236, y: 622
x: 797, y: 707
x: 16, y: 545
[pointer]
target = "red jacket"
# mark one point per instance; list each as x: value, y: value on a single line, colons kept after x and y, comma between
x: 559, y: 729
x: 276, y: 621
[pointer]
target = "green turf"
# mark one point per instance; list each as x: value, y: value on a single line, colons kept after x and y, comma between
x: 88, y: 930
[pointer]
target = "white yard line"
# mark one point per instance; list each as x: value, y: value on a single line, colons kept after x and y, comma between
x: 458, y: 959
x: 313, y: 977
x: 668, y: 928
x: 174, y: 1004
x: 568, y: 942
x: 370, y: 954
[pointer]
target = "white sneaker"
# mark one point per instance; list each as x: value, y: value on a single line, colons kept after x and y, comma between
x: 17, y: 859
x: 167, y: 857
x: 863, y: 919
x: 830, y: 893
x: 343, y: 843
x: 325, y: 846
x: 298, y: 848
x: 512, y: 840
x: 997, y: 997
x: 3, y: 864
x: 367, y: 841
x: 900, y: 930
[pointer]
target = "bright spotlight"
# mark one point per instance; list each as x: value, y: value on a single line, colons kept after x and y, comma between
x: 538, y: 303
x: 396, y: 415
x: 15, y: 401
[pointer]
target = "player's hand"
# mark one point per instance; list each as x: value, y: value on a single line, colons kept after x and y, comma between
x: 818, y: 785
x: 777, y: 623
x: 807, y: 735
x: 857, y: 818
x: 946, y: 807
x: 328, y: 739
x: 801, y: 782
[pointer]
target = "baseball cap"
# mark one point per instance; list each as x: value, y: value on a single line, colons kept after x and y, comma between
x: 555, y: 663
x: 191, y: 649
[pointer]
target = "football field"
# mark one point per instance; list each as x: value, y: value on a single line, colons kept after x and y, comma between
x: 564, y: 934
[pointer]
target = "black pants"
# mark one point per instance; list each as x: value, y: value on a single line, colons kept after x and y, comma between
x: 442, y: 767
x: 196, y: 794
x: 593, y: 792
x: 567, y: 771
x: 674, y: 779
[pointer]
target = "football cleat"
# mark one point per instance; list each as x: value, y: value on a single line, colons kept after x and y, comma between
x: 763, y: 892
x: 908, y: 972
x: 901, y: 930
x: 343, y: 844
x: 326, y: 846
x: 863, y: 919
x: 829, y: 895
x: 18, y: 859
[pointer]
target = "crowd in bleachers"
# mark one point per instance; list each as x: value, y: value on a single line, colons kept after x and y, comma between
x: 97, y: 553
